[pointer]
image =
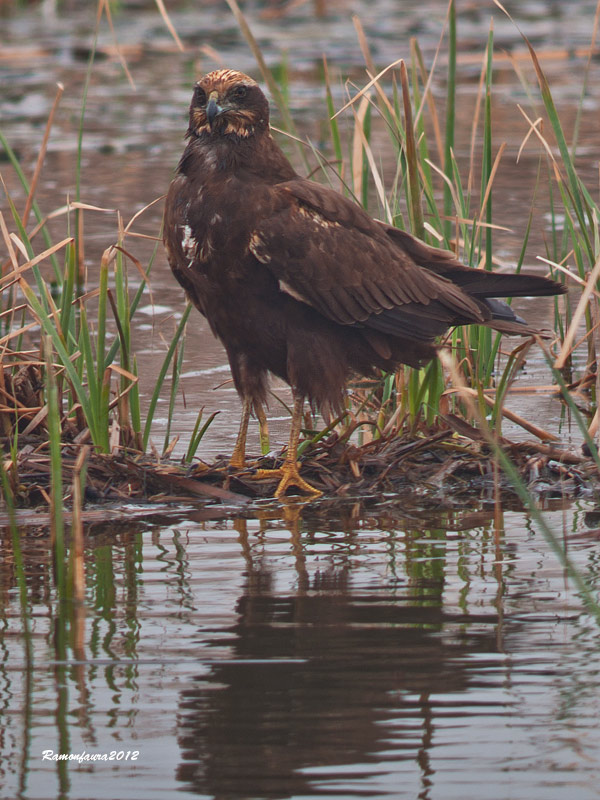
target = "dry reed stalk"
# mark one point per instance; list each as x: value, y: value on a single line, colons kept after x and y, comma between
x: 540, y: 433
x: 41, y: 156
x: 580, y: 311
x: 77, y: 539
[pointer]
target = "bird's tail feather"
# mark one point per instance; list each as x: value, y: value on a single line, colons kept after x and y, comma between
x: 482, y: 284
x: 506, y: 321
x: 476, y: 282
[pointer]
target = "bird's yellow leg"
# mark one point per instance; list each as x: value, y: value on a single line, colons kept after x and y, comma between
x: 238, y: 457
x: 288, y: 472
x: 263, y: 427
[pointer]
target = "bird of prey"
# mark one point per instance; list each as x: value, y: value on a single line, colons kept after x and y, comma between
x: 299, y: 281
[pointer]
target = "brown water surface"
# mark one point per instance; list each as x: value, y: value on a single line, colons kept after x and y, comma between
x: 397, y: 647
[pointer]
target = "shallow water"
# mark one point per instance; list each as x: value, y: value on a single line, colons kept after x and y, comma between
x: 390, y: 652
x: 403, y: 647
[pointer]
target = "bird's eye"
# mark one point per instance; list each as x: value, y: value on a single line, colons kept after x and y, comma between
x: 239, y: 92
x: 199, y: 96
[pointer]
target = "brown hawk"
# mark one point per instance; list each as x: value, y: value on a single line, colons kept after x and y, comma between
x: 299, y: 281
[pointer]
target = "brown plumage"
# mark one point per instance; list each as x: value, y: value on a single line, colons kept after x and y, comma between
x: 296, y: 279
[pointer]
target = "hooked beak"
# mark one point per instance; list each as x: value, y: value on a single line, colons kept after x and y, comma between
x: 213, y: 109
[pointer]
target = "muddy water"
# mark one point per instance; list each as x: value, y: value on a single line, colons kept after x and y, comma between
x: 396, y: 648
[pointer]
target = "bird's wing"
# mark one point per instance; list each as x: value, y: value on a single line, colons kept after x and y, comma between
x: 328, y: 252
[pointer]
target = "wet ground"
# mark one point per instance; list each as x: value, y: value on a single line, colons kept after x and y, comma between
x: 404, y: 649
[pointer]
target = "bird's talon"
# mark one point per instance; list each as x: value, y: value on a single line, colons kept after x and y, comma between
x: 289, y: 476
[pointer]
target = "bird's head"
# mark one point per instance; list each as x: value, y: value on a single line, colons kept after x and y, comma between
x: 228, y: 103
